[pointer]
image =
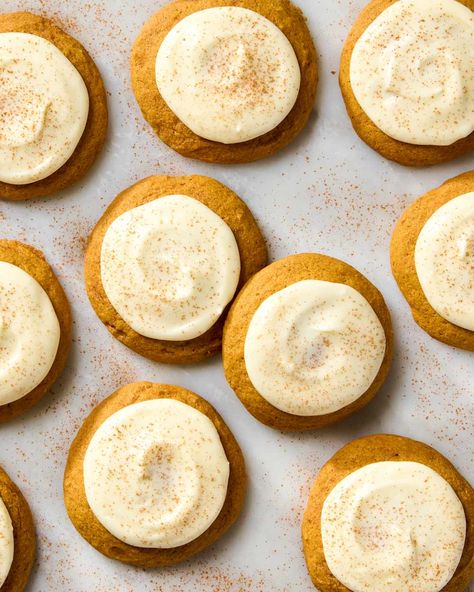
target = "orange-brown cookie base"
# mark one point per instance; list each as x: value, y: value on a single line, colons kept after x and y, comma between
x: 33, y: 262
x: 217, y: 197
x: 273, y: 278
x: 86, y: 522
x: 24, y: 536
x: 402, y: 253
x: 401, y: 152
x: 168, y: 126
x: 356, y: 455
x: 95, y: 132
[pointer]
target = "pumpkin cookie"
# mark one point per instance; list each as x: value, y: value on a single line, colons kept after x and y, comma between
x: 406, y: 99
x: 17, y: 537
x: 53, y: 108
x: 243, y: 88
x: 432, y: 254
x: 154, y: 501
x: 307, y: 342
x: 36, y: 321
x: 373, y: 520
x: 165, y: 260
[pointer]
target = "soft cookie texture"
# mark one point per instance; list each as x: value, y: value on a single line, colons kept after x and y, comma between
x: 33, y: 262
x: 24, y: 535
x: 402, y: 253
x: 217, y: 197
x: 401, y: 152
x: 94, y: 135
x: 273, y: 278
x: 287, y: 17
x: 356, y: 455
x: 92, y: 530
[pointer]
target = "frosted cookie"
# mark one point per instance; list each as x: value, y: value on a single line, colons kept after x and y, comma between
x: 17, y: 537
x: 307, y: 342
x: 389, y: 513
x: 53, y: 108
x: 164, y: 262
x: 406, y: 78
x: 154, y: 476
x: 432, y: 255
x: 224, y: 81
x: 35, y: 328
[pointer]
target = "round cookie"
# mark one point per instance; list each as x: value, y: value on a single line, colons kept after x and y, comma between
x: 86, y: 522
x: 373, y: 449
x: 33, y: 262
x: 287, y: 17
x: 274, y: 278
x: 402, y: 252
x: 401, y: 152
x: 224, y: 203
x: 95, y: 132
x: 24, y: 535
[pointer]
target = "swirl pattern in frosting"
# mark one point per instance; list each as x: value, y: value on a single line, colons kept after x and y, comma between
x: 170, y: 267
x: 411, y: 71
x: 156, y: 474
x: 228, y: 73
x: 444, y: 260
x: 314, y: 347
x: 29, y: 333
x: 393, y: 526
x: 44, y: 106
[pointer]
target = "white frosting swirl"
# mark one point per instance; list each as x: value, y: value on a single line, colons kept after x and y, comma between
x: 228, y: 73
x: 29, y: 333
x: 411, y: 71
x: 44, y: 105
x: 7, y: 547
x: 393, y: 526
x: 444, y: 260
x: 170, y: 267
x: 314, y: 347
x: 156, y: 474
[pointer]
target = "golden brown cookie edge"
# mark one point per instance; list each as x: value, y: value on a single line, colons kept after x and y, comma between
x: 402, y: 255
x: 357, y: 454
x: 226, y: 204
x: 24, y: 535
x: 168, y: 126
x: 406, y: 154
x: 273, y: 278
x: 34, y: 263
x: 95, y: 132
x: 84, y: 519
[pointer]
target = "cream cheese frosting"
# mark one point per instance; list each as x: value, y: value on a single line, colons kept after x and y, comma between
x: 393, y: 526
x: 29, y: 333
x: 314, y: 347
x: 228, y: 73
x: 44, y: 105
x: 156, y: 474
x: 444, y: 260
x: 170, y: 267
x: 6, y: 543
x: 411, y: 71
